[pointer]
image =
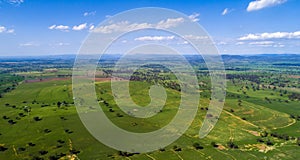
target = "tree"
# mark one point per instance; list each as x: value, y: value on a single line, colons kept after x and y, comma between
x: 197, y: 146
x: 214, y: 144
x: 58, y: 104
x: 230, y: 144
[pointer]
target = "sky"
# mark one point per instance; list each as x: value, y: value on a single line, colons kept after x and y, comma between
x: 33, y: 27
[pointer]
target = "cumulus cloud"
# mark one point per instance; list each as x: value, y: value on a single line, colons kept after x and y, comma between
x: 89, y: 13
x: 194, y: 17
x: 170, y: 22
x: 80, y: 27
x: 3, y: 29
x: 59, y: 27
x: 154, y: 38
x: 127, y: 26
x: 273, y: 35
x: 260, y: 4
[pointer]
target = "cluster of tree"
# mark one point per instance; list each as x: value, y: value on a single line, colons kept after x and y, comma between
x: 68, y: 131
x: 267, y: 142
x: 280, y: 136
x: 231, y: 145
x: 64, y: 103
x: 294, y: 96
x: 297, y: 117
x: 176, y: 148
x: 249, y: 77
x: 126, y: 154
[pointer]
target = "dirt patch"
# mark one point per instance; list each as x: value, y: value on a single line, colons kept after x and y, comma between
x: 249, y: 112
x: 221, y: 147
x: 294, y: 76
x: 254, y: 133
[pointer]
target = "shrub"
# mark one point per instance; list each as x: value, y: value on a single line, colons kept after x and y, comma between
x: 214, y: 144
x: 37, y: 118
x: 197, y: 146
x: 232, y: 145
x: 43, y: 152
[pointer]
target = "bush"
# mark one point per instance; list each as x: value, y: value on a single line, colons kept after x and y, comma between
x: 119, y: 115
x: 269, y: 143
x: 197, y: 146
x: 74, y: 151
x: 37, y: 118
x: 176, y: 148
x: 11, y: 121
x: 232, y: 145
x: 43, y: 152
x: 214, y: 144
x: 31, y: 144
x: 2, y: 148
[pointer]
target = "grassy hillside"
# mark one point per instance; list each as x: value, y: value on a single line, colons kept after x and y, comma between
x: 39, y: 120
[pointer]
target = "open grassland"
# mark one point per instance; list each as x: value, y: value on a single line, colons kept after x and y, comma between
x: 39, y: 120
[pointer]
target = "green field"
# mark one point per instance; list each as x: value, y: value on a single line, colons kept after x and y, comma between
x: 61, y: 134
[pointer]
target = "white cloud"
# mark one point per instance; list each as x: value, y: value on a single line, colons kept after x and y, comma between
x: 89, y: 13
x: 2, y: 29
x: 52, y: 27
x: 273, y: 35
x: 193, y: 37
x: 91, y: 27
x: 120, y: 26
x: 11, y: 31
x: 239, y: 43
x: 154, y: 38
x: 62, y: 27
x: 5, y: 30
x: 262, y: 43
x: 221, y: 43
x: 279, y: 45
x: 29, y: 44
x: 194, y: 17
x: 59, y: 27
x: 267, y: 44
x: 80, y: 27
x: 127, y: 26
x: 59, y: 44
x: 63, y: 44
x: 170, y: 22
x: 260, y: 4
x: 108, y: 16
x: 225, y: 11
x: 16, y: 2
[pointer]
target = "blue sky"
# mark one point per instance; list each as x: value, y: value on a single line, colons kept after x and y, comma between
x: 30, y: 27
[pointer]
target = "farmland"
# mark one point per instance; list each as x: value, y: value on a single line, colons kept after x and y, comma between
x: 260, y: 119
